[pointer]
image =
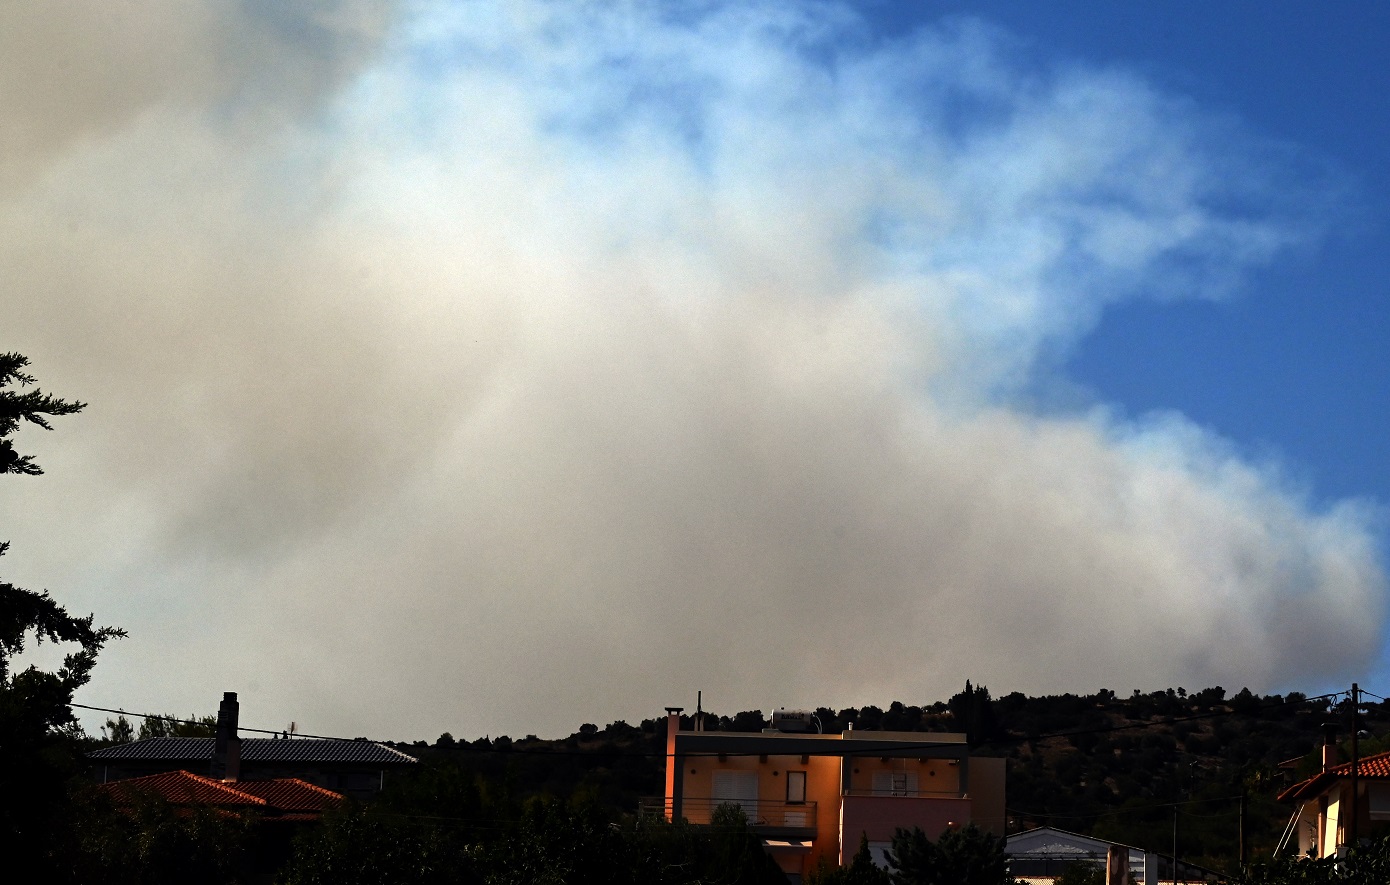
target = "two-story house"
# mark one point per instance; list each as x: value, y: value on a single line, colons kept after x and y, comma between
x: 812, y: 796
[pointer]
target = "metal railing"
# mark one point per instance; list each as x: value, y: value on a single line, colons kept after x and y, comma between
x: 761, y: 813
x: 910, y: 794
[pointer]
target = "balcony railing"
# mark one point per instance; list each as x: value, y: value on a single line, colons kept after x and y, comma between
x: 910, y: 794
x: 762, y: 814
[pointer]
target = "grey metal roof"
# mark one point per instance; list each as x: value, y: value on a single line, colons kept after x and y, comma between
x: 255, y: 750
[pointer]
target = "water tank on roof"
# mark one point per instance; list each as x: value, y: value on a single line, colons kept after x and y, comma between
x: 794, y: 720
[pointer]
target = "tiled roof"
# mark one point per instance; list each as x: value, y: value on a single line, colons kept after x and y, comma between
x: 291, y: 794
x: 281, y: 797
x: 1372, y: 767
x: 255, y: 750
x: 181, y: 788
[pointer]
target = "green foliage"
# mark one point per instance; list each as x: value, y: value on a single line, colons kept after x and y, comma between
x: 357, y: 847
x: 861, y: 870
x: 967, y: 856
x: 34, y: 407
x: 558, y: 844
x: 726, y: 853
x: 38, y: 733
x: 153, y: 843
x: 553, y: 843
x: 1368, y: 865
x: 169, y: 726
x: 118, y: 731
x: 973, y: 713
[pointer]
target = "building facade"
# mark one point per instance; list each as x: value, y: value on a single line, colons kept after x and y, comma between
x: 812, y: 796
x: 1329, y: 805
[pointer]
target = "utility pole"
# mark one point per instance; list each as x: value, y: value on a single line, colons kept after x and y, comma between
x: 1242, y: 828
x: 1355, y: 800
x: 1175, y: 844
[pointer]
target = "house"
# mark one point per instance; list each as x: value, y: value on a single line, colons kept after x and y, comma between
x: 1044, y: 853
x: 356, y: 768
x: 1325, y: 815
x: 811, y: 796
x: 277, y: 810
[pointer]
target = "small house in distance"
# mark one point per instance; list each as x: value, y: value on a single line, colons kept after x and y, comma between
x: 812, y: 796
x: 357, y: 768
x: 1044, y: 853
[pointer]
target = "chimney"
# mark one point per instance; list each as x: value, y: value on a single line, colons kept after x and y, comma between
x: 1329, y: 746
x: 226, y: 749
x: 673, y: 763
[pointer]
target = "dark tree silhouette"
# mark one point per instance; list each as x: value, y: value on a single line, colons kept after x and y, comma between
x: 37, y: 751
x: 968, y: 856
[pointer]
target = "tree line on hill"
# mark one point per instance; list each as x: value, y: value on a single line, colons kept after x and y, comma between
x: 1197, y: 769
x: 1121, y: 768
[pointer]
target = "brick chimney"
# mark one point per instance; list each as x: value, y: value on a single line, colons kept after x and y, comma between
x: 1329, y: 746
x: 226, y: 750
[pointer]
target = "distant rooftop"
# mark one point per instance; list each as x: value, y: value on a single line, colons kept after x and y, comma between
x: 255, y: 750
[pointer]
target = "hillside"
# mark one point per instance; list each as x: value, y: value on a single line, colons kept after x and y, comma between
x: 1121, y: 768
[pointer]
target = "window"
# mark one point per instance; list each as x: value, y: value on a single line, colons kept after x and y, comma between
x: 895, y: 783
x: 737, y: 788
x: 796, y: 787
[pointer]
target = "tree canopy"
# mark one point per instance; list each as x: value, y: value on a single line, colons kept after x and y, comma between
x: 33, y: 406
x: 37, y: 750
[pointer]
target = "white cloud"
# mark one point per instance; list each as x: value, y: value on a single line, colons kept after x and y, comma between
x: 541, y: 363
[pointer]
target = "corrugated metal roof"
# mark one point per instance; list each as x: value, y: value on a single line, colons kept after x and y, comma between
x: 255, y: 750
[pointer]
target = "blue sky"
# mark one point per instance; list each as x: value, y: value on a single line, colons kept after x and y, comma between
x: 1294, y: 364
x: 497, y: 367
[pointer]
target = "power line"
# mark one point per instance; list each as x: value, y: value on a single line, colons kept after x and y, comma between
x: 1128, y: 809
x: 880, y: 747
x: 199, y: 722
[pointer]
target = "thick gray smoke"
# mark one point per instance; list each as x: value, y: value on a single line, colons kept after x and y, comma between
x: 500, y: 367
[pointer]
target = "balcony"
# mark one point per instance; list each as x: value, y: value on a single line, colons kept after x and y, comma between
x: 768, y: 818
x: 907, y: 794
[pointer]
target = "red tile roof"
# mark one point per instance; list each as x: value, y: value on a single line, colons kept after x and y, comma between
x: 291, y: 794
x: 1372, y: 768
x: 278, y: 797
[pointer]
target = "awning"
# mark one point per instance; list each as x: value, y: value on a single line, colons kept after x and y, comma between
x: 788, y: 846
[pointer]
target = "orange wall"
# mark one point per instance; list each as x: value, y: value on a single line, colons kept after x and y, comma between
x: 933, y: 775
x: 822, y: 788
